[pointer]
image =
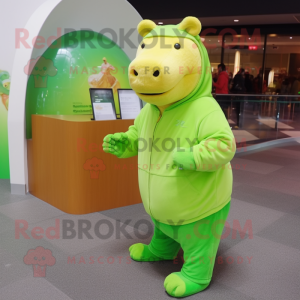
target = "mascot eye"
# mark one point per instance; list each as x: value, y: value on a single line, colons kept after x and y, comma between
x: 45, y: 68
x: 177, y: 46
x: 143, y: 46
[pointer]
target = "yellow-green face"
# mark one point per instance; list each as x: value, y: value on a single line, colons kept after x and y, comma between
x: 163, y: 72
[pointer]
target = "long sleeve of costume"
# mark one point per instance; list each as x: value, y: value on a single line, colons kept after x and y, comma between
x: 217, y: 144
x: 132, y: 147
x: 215, y: 149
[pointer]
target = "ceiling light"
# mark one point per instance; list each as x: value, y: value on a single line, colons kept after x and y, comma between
x: 160, y: 23
x: 236, y: 20
x: 249, y: 38
x: 291, y: 37
x: 272, y: 35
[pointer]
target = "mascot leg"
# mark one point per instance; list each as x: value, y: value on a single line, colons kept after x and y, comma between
x: 199, y: 241
x: 162, y: 247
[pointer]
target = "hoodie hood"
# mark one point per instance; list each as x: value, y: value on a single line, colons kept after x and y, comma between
x: 204, y: 85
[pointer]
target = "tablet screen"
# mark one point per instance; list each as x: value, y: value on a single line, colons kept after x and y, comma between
x: 103, y: 104
x: 130, y: 104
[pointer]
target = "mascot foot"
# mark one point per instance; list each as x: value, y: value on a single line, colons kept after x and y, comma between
x: 179, y: 286
x: 141, y: 252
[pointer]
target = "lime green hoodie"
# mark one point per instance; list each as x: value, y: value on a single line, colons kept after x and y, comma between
x: 195, y: 126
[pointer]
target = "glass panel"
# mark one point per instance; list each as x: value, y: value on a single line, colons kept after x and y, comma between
x: 258, y: 119
x: 245, y: 51
x: 282, y: 72
x: 213, y: 45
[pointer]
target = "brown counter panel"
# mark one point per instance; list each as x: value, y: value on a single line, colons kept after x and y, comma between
x: 57, y: 154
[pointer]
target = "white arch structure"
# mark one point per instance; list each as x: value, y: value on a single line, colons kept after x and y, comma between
x: 117, y: 15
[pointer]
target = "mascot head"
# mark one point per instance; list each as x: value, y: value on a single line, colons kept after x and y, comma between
x: 171, y: 63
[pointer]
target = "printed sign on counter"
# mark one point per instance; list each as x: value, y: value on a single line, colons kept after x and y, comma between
x: 103, y: 104
x: 130, y: 104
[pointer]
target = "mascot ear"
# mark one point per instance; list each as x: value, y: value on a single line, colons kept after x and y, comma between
x: 145, y: 27
x: 191, y: 25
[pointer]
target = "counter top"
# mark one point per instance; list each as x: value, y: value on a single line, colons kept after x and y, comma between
x: 72, y: 118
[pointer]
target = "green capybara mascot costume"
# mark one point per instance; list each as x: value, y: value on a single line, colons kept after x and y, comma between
x: 184, y: 146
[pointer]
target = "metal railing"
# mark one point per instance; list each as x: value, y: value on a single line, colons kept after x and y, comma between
x: 258, y: 95
x: 262, y: 117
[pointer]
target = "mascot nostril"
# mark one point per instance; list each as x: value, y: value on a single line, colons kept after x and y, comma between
x: 184, y: 172
x: 156, y: 73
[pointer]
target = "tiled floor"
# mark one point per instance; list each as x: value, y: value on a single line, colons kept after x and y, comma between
x: 94, y: 264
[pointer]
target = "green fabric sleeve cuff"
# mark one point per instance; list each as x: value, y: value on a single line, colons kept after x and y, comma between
x: 184, y: 158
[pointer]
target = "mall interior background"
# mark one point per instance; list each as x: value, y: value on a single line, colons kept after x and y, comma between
x: 261, y: 38
x: 276, y: 30
x: 266, y: 182
x: 266, y: 37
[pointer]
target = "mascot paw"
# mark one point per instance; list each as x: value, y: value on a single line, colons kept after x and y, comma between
x: 179, y: 286
x: 141, y: 252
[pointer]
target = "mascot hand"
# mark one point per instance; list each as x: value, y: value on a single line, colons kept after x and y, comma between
x: 115, y: 144
x: 184, y: 158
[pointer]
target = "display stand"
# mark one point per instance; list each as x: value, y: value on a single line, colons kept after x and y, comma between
x: 69, y: 170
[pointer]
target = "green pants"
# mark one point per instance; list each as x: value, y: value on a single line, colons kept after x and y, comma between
x: 199, y: 241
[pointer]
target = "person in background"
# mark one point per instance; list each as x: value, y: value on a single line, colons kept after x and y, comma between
x: 252, y: 79
x: 215, y: 77
x: 285, y: 86
x: 221, y: 86
x: 251, y: 90
x: 249, y: 86
x: 238, y: 88
x: 257, y: 84
x: 279, y: 83
x: 248, y: 83
x: 222, y: 83
x: 230, y: 82
x: 295, y: 86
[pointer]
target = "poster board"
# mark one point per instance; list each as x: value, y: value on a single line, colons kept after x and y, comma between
x: 130, y: 104
x: 103, y: 104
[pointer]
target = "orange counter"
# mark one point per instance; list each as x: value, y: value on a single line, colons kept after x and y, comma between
x: 69, y: 170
